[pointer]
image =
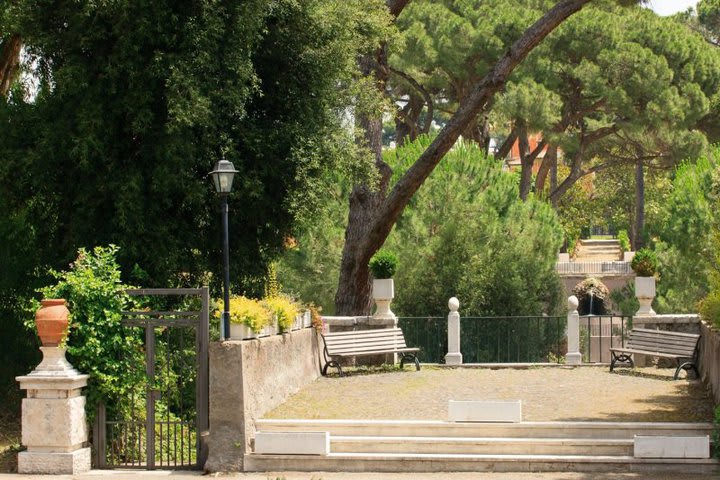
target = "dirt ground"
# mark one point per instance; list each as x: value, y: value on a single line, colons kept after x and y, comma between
x: 547, y: 394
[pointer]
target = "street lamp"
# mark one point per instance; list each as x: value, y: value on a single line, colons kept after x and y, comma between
x: 223, y: 178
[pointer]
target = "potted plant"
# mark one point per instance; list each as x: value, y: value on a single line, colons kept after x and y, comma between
x: 383, y: 266
x: 248, y: 318
x: 645, y: 265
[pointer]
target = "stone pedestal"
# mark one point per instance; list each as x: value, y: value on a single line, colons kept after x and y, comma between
x: 573, y: 356
x: 453, y: 356
x: 54, y: 428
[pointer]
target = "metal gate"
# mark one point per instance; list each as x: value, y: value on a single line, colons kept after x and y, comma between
x: 160, y: 422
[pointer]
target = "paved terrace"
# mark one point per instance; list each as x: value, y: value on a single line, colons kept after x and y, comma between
x: 547, y: 393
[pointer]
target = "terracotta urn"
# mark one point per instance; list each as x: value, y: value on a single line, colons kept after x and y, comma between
x: 51, y: 321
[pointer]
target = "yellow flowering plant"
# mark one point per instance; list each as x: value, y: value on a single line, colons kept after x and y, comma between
x: 249, y: 312
x: 285, y: 310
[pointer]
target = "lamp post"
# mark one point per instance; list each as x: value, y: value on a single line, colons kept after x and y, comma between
x: 223, y: 178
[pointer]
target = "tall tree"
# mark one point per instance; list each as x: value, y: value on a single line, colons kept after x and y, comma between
x: 375, y: 209
x: 136, y: 103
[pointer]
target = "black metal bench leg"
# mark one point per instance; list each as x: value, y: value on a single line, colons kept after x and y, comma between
x: 622, y: 358
x: 409, y: 356
x: 332, y: 363
x: 687, y: 366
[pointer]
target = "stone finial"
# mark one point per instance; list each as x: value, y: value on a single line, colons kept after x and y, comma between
x: 453, y: 304
x: 573, y: 303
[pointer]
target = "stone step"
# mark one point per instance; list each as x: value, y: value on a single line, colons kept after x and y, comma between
x: 486, y: 446
x: 611, y: 241
x: 435, y: 428
x: 403, y: 462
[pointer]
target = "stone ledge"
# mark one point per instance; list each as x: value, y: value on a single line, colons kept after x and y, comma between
x: 292, y: 443
x: 671, y: 447
x: 71, y: 463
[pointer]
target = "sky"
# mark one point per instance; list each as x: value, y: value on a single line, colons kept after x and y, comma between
x: 668, y: 7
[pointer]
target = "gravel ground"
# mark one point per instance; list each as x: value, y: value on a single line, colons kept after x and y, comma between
x: 547, y: 394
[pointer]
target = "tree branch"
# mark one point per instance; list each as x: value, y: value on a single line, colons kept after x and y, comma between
x: 473, y: 104
x: 425, y: 94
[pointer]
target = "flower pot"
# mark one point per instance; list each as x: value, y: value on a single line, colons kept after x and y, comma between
x: 51, y: 321
x: 645, y: 293
x: 298, y: 323
x: 240, y: 331
x: 307, y: 319
x: 383, y: 293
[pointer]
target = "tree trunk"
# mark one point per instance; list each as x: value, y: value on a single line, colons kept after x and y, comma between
x: 372, y: 215
x: 639, y: 223
x: 504, y: 150
x: 548, y: 164
x: 9, y: 61
x: 553, y: 174
x: 525, y: 167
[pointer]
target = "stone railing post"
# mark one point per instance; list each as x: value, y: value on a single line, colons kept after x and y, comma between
x: 573, y: 356
x: 453, y: 357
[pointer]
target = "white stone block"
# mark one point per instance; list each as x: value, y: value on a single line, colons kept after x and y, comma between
x: 485, y: 411
x: 71, y: 463
x: 563, y: 257
x: 647, y: 446
x: 292, y: 443
x: 54, y: 423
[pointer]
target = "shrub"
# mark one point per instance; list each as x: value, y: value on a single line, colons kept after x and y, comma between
x: 645, y: 263
x: 383, y: 264
x: 249, y: 312
x: 624, y: 240
x: 97, y: 342
x: 284, y: 309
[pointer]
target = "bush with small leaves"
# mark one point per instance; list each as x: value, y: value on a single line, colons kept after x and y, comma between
x: 383, y: 264
x: 645, y: 263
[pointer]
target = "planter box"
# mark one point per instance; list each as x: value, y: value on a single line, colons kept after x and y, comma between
x: 383, y: 289
x: 485, y: 411
x: 307, y: 319
x: 645, y: 292
x: 241, y: 332
x: 671, y: 447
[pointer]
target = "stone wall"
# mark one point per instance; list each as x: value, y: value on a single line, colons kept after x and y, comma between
x: 709, y: 363
x: 249, y: 378
x: 685, y: 323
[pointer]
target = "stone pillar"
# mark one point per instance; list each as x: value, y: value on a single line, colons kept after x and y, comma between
x: 453, y: 357
x: 573, y: 356
x: 54, y: 428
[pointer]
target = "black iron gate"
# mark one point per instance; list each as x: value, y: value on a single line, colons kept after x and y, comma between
x: 160, y: 423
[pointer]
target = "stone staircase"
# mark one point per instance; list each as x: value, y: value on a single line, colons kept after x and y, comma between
x: 436, y: 446
x: 598, y: 251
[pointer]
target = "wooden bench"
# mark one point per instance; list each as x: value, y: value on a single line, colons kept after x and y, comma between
x: 365, y: 342
x: 682, y: 347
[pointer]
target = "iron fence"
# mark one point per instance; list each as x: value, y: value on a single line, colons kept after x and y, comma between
x: 489, y: 339
x: 599, y: 333
x: 428, y: 333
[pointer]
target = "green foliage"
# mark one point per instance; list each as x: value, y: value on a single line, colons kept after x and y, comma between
x: 624, y: 240
x: 624, y: 300
x: 135, y: 105
x: 383, y: 264
x: 467, y: 234
x: 97, y: 342
x: 684, y: 239
x: 645, y: 263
